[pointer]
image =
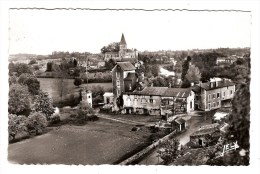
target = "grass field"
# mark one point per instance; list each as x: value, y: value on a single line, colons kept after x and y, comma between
x: 100, y: 142
x: 51, y: 85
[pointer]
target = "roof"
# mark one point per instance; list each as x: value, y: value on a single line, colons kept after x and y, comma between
x: 126, y: 66
x: 123, y: 42
x: 108, y: 94
x: 150, y: 91
x: 111, y: 52
x: 221, y: 84
x: 130, y: 76
x: 220, y: 115
x: 132, y: 60
x: 207, y: 129
x: 180, y: 121
x: 177, y: 92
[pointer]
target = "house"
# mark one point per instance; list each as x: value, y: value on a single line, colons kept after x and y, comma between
x: 87, y: 97
x: 207, y: 135
x: 146, y: 101
x: 101, y: 64
x: 108, y: 97
x: 123, y: 53
x: 179, y: 124
x: 177, y: 101
x: 119, y: 73
x: 227, y: 60
x: 158, y: 101
x: 214, y: 94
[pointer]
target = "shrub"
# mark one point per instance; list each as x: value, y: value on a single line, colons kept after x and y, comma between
x: 92, y: 118
x: 55, y: 118
x: 17, y: 127
x: 37, y: 122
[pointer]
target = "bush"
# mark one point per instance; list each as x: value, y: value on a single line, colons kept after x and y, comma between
x: 92, y: 118
x: 54, y: 119
x: 37, y: 122
x: 17, y: 127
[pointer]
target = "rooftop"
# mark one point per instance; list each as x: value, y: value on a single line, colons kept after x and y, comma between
x: 150, y: 91
x: 126, y: 66
x: 130, y: 76
x: 219, y: 84
x: 207, y: 129
x: 177, y: 92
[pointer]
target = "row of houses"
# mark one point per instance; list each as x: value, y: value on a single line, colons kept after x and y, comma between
x: 137, y: 97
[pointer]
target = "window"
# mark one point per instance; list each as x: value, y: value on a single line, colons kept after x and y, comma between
x: 214, y: 96
x: 130, y: 86
x: 151, y: 100
x: 117, y: 83
x: 218, y: 95
x: 224, y: 94
x: 231, y: 92
x: 209, y: 106
x: 209, y: 97
x: 117, y: 74
x: 214, y: 104
x: 218, y: 103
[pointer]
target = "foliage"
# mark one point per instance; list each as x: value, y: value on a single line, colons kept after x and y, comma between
x: 110, y: 64
x: 12, y: 80
x: 43, y: 103
x: 193, y: 74
x: 185, y: 83
x: 32, y: 62
x: 19, y: 68
x: 17, y: 124
x: 84, y: 112
x: 33, y: 85
x: 98, y: 77
x: 169, y: 150
x: 185, y: 67
x: 37, y: 122
x: 77, y: 82
x: 19, y: 99
x: 112, y: 47
x: 55, y: 118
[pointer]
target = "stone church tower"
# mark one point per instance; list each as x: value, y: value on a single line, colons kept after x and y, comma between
x: 122, y: 46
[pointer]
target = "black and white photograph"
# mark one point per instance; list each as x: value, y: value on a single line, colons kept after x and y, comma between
x: 129, y: 86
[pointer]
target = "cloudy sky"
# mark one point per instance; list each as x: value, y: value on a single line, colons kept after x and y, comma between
x: 45, y: 31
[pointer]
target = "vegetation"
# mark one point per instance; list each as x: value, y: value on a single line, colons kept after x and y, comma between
x: 112, y: 47
x: 77, y: 82
x: 37, y: 122
x: 169, y: 150
x: 43, y: 103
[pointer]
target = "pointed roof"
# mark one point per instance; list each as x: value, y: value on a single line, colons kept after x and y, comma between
x: 123, y: 42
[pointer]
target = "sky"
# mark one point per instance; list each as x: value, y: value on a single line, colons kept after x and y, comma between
x: 45, y: 31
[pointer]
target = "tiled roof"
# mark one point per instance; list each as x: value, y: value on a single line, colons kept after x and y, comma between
x: 180, y: 121
x: 150, y: 91
x: 207, y: 129
x: 126, y: 66
x: 123, y: 40
x: 177, y: 92
x: 207, y: 85
x: 130, y: 76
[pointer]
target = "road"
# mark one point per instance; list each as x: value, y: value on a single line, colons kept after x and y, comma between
x: 193, y: 124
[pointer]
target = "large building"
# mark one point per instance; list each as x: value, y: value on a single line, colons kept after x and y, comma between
x: 123, y: 54
x: 214, y: 94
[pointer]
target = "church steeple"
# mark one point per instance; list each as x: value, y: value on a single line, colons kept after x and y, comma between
x: 122, y: 42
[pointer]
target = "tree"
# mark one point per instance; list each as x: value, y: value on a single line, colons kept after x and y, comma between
x: 17, y: 124
x: 110, y: 64
x: 12, y: 80
x: 75, y: 62
x: 169, y: 150
x: 19, y: 69
x: 77, y: 82
x: 185, y: 67
x: 193, y: 74
x: 112, y: 47
x: 43, y: 103
x: 37, y: 122
x: 19, y: 99
x: 32, y: 62
x: 49, y: 67
x: 33, y: 85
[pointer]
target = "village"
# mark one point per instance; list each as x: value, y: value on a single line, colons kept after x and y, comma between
x: 158, y: 108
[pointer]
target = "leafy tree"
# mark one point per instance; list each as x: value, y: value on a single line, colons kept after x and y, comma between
x: 110, y: 64
x: 77, y: 82
x: 19, y: 99
x: 43, y: 103
x: 168, y: 151
x: 12, y: 80
x: 193, y: 74
x: 49, y: 67
x: 22, y: 78
x: 112, y: 47
x: 185, y: 67
x: 19, y: 68
x: 75, y: 62
x: 16, y: 124
x: 32, y: 62
x: 37, y: 122
x: 33, y: 85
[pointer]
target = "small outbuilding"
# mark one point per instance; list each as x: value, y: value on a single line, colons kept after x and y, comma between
x: 179, y: 124
x: 108, y: 97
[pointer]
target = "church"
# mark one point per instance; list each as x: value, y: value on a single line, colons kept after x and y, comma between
x: 124, y: 54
